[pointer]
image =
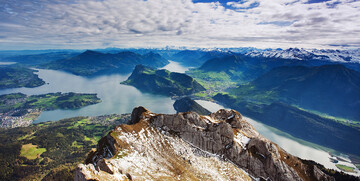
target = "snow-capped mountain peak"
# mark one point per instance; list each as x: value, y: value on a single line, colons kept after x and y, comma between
x: 309, y: 54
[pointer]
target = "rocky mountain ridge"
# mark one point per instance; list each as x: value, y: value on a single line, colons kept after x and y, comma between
x: 187, y: 146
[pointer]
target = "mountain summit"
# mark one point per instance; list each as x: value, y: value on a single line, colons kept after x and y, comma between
x: 187, y: 146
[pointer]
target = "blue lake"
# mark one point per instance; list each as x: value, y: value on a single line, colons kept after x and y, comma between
x: 118, y: 98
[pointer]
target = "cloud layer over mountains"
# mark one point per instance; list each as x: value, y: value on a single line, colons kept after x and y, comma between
x: 28, y: 24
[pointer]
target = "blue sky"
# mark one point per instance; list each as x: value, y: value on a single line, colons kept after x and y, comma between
x: 48, y: 24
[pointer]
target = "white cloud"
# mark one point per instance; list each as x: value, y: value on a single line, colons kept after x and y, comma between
x: 128, y: 23
x: 243, y: 4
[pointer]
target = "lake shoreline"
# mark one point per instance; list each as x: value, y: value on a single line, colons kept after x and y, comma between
x: 120, y: 99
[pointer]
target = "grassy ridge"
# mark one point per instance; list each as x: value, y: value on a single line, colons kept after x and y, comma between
x: 345, y: 168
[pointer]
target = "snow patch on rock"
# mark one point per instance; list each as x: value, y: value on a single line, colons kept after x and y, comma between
x: 241, y: 139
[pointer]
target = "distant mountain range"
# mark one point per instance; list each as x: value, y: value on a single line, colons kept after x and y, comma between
x: 94, y: 63
x: 312, y: 57
x: 195, y: 57
x: 351, y: 55
x: 243, y: 68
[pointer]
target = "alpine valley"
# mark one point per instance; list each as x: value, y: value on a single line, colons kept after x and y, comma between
x: 180, y: 114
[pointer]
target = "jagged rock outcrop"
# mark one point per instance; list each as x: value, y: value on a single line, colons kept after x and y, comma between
x: 187, y: 146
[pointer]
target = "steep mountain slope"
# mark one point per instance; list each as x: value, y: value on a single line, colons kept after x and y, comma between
x: 196, y: 58
x: 186, y: 104
x: 187, y: 146
x: 14, y: 77
x: 227, y: 64
x: 154, y: 60
x: 162, y: 81
x: 189, y: 57
x: 92, y: 62
x: 332, y: 89
x: 233, y: 65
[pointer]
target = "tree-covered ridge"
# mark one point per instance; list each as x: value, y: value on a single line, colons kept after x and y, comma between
x: 51, y: 150
x: 15, y: 77
x: 46, y: 102
x: 20, y: 110
x: 163, y: 82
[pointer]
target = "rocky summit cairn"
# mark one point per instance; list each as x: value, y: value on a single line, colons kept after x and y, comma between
x: 187, y: 146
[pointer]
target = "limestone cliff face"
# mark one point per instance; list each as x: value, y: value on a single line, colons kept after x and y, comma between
x: 187, y: 146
